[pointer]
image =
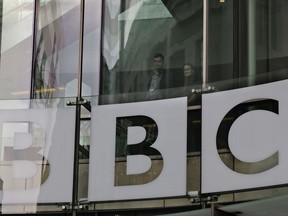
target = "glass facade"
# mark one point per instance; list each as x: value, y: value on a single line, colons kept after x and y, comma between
x: 122, y: 53
x: 16, y: 43
x: 246, y: 46
x: 145, y: 46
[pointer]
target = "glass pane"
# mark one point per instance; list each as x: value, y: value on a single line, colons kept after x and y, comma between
x: 92, y: 44
x: 145, y: 46
x: 247, y: 42
x: 16, y: 26
x: 56, y: 64
x: 35, y: 136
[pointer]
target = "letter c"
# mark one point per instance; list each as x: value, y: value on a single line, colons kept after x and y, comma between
x: 225, y: 126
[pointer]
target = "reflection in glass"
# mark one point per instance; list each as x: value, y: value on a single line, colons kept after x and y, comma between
x: 247, y: 42
x: 33, y: 143
x: 135, y: 34
x: 16, y: 26
x: 56, y: 57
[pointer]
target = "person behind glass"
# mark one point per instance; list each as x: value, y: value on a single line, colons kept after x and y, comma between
x: 158, y: 77
x: 189, y: 78
x: 191, y: 81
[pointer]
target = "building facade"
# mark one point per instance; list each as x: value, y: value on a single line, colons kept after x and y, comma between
x: 144, y: 107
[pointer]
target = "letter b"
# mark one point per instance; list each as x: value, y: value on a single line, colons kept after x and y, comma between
x: 138, y: 150
x: 134, y: 152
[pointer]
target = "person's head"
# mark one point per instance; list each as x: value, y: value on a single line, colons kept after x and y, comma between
x: 158, y: 61
x: 188, y: 69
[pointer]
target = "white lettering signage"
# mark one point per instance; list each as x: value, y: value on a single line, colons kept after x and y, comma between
x: 133, y: 133
x: 257, y: 138
x: 33, y: 145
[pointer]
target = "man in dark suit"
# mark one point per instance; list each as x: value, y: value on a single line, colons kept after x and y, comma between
x: 158, y: 79
x: 150, y: 85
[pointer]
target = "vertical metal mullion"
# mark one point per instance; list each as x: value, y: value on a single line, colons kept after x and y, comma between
x: 236, y: 38
x: 81, y: 42
x: 268, y: 42
x: 78, y: 113
x: 1, y: 20
x: 34, y: 37
x: 251, y: 42
x: 205, y: 42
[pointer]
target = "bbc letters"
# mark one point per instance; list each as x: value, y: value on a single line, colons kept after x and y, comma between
x: 256, y: 137
x: 33, y: 143
x: 168, y: 119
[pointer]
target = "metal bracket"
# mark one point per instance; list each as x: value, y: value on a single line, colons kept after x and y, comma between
x: 81, y: 102
x: 195, y: 197
x: 80, y: 207
x: 201, y: 199
x: 204, y: 89
x: 65, y: 207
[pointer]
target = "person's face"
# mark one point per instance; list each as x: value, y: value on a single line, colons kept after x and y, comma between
x: 158, y: 63
x: 187, y: 70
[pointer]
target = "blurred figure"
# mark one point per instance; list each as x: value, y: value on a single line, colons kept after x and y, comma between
x: 157, y: 79
x: 189, y: 78
x: 192, y: 84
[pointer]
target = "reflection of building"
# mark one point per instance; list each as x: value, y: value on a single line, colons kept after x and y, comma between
x: 236, y: 116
